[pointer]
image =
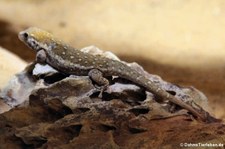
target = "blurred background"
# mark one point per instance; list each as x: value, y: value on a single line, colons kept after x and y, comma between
x: 180, y: 40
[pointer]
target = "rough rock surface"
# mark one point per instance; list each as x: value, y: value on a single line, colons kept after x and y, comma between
x: 55, y: 110
x: 57, y: 126
x: 99, y: 124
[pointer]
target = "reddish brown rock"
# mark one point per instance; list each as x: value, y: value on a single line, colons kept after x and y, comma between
x: 56, y: 126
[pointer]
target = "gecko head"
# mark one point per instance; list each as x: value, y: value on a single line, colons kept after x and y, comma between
x: 37, y: 39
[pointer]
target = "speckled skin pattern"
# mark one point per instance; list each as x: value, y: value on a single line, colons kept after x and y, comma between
x: 67, y: 59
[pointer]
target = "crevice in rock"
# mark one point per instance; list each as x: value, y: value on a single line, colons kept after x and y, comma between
x: 34, y: 142
x: 72, y: 131
x: 80, y: 110
x: 105, y: 128
x: 56, y: 107
x: 138, y: 111
x: 137, y: 130
x: 54, y: 78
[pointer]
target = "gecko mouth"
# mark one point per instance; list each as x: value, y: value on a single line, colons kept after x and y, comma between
x: 33, y: 44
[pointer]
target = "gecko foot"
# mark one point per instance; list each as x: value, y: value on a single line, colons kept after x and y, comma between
x: 97, y: 76
x: 101, y: 89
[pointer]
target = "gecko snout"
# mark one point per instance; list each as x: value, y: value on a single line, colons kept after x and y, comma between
x: 23, y: 36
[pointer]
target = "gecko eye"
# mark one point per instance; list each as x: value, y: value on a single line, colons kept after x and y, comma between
x: 25, y: 35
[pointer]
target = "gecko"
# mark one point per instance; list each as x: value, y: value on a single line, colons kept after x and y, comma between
x: 66, y: 59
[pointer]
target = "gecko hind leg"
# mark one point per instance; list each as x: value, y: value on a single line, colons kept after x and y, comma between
x: 97, y: 76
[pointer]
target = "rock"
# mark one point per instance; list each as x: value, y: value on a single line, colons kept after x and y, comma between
x: 42, y: 126
x: 4, y: 106
x: 19, y: 88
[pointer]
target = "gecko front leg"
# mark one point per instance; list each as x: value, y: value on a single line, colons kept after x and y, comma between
x: 96, y: 75
x: 41, y: 57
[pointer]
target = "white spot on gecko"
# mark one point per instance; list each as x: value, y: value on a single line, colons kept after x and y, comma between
x: 71, y: 57
x: 63, y: 53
